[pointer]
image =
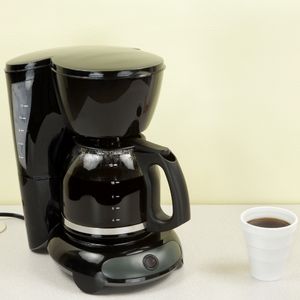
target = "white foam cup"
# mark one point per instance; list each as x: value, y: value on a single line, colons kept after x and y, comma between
x: 268, y: 248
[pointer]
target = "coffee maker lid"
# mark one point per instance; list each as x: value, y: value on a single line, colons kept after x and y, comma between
x: 91, y: 62
x: 101, y: 62
x: 30, y: 61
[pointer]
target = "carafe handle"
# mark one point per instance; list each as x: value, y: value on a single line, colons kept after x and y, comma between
x: 148, y: 155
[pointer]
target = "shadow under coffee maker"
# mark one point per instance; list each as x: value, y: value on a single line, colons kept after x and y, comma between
x: 89, y: 179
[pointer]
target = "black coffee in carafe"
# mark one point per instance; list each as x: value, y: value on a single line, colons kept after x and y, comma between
x: 104, y: 188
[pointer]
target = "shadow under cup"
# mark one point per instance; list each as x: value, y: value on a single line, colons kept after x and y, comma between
x: 268, y: 248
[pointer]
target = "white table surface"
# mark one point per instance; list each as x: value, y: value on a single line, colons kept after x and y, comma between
x: 215, y: 265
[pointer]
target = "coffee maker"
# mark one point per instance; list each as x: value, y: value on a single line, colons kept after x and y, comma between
x: 89, y: 179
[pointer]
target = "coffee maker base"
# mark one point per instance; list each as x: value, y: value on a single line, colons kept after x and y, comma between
x: 116, y: 262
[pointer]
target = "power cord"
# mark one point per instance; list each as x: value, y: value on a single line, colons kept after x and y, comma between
x: 11, y: 215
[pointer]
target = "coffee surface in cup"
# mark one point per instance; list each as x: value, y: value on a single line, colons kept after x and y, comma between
x: 268, y: 222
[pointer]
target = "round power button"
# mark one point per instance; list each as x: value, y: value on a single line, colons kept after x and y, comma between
x: 150, y: 262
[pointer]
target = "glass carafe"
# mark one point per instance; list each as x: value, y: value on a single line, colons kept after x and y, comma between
x: 103, y: 190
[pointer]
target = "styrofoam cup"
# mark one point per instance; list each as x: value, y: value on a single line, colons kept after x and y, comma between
x: 268, y: 248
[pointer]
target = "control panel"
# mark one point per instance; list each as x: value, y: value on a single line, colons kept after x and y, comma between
x: 143, y: 264
x: 21, y: 104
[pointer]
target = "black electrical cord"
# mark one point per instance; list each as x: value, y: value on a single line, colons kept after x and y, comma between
x: 11, y: 215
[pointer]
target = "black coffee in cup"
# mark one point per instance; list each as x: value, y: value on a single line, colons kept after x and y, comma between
x: 268, y: 222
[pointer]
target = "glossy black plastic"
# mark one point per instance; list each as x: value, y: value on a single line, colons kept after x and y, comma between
x: 41, y: 209
x: 105, y: 62
x: 108, y: 107
x: 149, y: 155
x: 86, y: 260
x: 45, y: 131
x: 42, y: 143
x: 107, y: 91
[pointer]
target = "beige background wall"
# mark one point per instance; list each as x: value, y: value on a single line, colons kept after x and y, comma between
x: 230, y: 101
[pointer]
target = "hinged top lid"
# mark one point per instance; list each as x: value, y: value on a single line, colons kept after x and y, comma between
x: 92, y: 62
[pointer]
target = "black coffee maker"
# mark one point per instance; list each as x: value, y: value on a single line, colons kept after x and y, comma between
x: 89, y: 179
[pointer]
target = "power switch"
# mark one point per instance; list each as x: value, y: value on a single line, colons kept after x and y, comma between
x: 150, y: 262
